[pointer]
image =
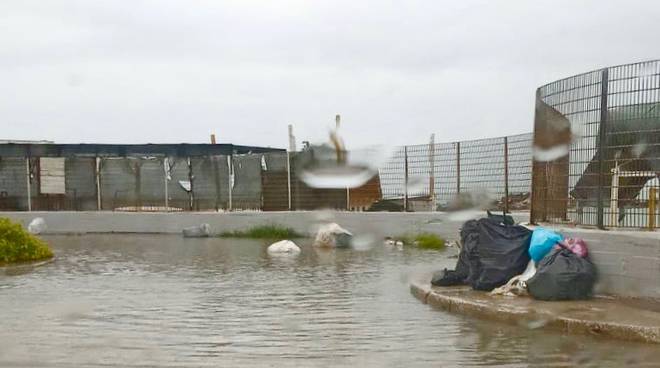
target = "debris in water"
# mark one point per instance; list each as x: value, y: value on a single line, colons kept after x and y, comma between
x: 283, y: 246
x: 37, y: 226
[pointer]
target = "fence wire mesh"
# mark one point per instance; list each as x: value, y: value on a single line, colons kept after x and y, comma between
x: 609, y: 120
x: 495, y: 172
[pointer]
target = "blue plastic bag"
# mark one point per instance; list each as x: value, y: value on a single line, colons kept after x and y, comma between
x: 542, y: 242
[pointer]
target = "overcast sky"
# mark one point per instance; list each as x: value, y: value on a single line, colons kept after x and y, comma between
x: 160, y: 71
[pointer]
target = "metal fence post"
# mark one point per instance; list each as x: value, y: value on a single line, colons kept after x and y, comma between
x: 97, y: 175
x: 288, y: 176
x: 405, y: 180
x: 29, y: 186
x: 216, y: 177
x: 166, y: 169
x: 602, y: 143
x: 138, y: 185
x: 652, y: 207
x: 506, y: 174
x: 230, y: 168
x: 458, y: 168
x: 432, y: 173
x: 191, y: 196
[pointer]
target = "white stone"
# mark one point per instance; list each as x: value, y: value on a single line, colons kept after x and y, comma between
x: 37, y: 226
x: 284, y: 246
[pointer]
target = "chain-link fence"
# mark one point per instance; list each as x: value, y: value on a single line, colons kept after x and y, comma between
x: 597, y: 139
x: 493, y: 173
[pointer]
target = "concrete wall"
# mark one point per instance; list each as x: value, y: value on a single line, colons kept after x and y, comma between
x: 628, y: 261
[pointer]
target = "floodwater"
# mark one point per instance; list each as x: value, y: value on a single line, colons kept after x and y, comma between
x: 164, y: 301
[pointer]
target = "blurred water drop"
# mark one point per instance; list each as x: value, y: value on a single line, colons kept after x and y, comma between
x: 330, y: 165
x: 480, y: 199
x: 536, y: 324
x: 648, y: 70
x: 553, y: 133
x: 639, y: 149
x: 336, y: 177
x: 363, y: 242
x: 417, y: 185
x: 465, y: 215
x: 323, y: 216
x: 470, y: 205
x: 552, y: 153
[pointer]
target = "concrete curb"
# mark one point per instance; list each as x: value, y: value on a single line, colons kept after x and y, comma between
x: 559, y: 316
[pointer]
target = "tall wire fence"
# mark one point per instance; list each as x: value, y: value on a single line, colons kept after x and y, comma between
x: 608, y: 120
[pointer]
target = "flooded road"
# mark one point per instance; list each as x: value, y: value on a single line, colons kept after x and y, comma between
x: 160, y: 300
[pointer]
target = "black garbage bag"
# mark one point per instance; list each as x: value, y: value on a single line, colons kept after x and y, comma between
x: 467, y: 259
x: 563, y: 275
x: 503, y: 254
x: 492, y: 252
x: 470, y: 251
x: 447, y: 278
x: 503, y: 218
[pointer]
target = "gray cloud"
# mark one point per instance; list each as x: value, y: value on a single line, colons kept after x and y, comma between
x: 158, y: 71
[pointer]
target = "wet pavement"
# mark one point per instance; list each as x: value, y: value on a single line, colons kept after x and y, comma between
x: 601, y: 316
x: 165, y: 301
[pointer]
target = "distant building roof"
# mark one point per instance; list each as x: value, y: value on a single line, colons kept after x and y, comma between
x: 121, y: 150
x: 23, y: 141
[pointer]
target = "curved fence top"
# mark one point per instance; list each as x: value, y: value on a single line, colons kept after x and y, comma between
x: 610, y: 121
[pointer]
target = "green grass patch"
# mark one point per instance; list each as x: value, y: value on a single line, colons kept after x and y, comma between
x: 429, y: 241
x: 17, y: 245
x: 422, y: 240
x: 271, y: 232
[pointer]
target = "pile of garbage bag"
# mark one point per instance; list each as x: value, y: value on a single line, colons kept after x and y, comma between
x: 504, y: 258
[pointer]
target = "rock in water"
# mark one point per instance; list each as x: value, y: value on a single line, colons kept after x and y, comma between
x: 201, y: 231
x: 284, y: 246
x: 37, y: 226
x: 333, y: 235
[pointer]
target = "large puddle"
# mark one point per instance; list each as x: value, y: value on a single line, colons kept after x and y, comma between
x: 156, y: 300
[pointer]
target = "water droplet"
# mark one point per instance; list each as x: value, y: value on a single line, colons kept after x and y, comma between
x: 465, y: 215
x: 639, y: 149
x: 552, y: 153
x: 417, y: 185
x: 323, y: 166
x: 536, y: 324
x: 363, y: 242
x: 336, y: 177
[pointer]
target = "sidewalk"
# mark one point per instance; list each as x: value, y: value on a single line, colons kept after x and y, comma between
x: 602, y: 316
